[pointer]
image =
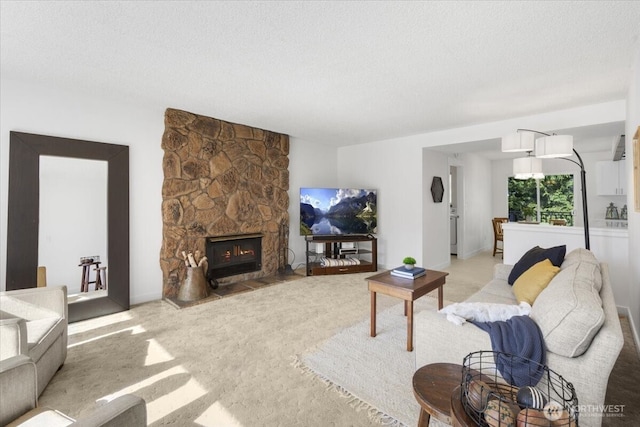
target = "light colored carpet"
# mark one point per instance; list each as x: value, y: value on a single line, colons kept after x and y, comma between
x: 374, y: 374
x: 224, y: 363
x: 229, y: 362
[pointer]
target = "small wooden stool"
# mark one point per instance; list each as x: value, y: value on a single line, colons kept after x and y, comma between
x: 101, y: 278
x: 86, y: 272
x: 432, y: 387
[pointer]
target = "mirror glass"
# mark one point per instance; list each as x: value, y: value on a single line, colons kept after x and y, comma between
x: 73, y: 223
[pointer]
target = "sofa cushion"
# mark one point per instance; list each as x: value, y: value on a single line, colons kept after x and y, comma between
x: 533, y: 281
x: 482, y: 296
x: 580, y: 255
x: 534, y: 256
x: 42, y: 416
x: 569, y: 311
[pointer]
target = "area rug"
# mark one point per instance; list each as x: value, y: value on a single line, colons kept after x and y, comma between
x: 373, y: 374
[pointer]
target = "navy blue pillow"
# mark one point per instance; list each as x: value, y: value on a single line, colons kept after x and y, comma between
x: 534, y: 256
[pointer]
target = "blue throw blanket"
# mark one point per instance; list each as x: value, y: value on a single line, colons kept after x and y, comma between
x: 519, y: 336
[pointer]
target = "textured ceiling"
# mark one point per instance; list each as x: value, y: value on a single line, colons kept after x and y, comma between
x: 332, y: 72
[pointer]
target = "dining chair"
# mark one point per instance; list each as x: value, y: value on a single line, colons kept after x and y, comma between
x: 497, y: 234
x: 558, y: 221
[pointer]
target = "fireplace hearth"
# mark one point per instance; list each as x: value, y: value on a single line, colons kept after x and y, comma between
x: 231, y: 255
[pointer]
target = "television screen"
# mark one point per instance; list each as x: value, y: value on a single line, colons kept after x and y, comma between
x: 326, y: 211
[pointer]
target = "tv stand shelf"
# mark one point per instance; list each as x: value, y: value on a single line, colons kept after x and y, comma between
x: 361, y: 247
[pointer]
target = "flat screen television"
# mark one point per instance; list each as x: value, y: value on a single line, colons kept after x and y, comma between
x: 329, y: 211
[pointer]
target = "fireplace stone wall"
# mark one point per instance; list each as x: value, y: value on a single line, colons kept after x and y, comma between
x: 221, y: 179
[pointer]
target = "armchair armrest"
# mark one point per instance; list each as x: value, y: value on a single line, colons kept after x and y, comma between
x: 17, y: 387
x: 53, y: 298
x: 127, y: 410
x: 13, y: 337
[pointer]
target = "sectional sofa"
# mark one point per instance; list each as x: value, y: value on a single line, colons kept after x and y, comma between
x: 576, y: 314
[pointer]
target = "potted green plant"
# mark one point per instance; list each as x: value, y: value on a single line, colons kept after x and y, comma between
x: 409, y: 262
x: 529, y: 211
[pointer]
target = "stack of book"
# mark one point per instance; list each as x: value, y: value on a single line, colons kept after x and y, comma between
x: 403, y: 272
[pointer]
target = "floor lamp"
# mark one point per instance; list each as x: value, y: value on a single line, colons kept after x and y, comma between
x: 551, y: 146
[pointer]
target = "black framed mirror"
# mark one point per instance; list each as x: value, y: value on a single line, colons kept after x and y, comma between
x: 23, y: 216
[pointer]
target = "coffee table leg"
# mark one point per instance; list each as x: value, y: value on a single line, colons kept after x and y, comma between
x: 440, y: 297
x: 373, y: 314
x: 409, y: 305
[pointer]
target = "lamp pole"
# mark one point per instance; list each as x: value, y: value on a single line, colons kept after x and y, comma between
x: 583, y: 182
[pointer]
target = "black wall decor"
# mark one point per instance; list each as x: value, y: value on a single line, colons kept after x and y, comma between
x: 437, y: 189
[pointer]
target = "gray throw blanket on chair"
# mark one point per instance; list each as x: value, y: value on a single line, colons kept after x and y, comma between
x: 518, y: 342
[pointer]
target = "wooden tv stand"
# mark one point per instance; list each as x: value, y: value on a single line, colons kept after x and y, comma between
x: 365, y: 249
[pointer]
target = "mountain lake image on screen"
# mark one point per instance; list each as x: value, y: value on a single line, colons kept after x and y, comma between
x: 329, y: 211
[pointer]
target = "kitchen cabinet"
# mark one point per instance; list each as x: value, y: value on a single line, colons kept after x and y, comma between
x: 611, y: 178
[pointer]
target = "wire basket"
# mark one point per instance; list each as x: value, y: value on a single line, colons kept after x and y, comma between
x: 505, y: 390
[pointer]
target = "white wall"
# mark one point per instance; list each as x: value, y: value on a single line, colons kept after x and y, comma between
x: 310, y: 165
x: 56, y: 112
x: 633, y: 121
x: 395, y: 167
x: 477, y: 229
x: 397, y: 175
x: 435, y: 240
x: 501, y: 171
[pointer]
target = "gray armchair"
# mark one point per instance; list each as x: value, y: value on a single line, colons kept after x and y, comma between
x: 33, y: 322
x: 18, y: 406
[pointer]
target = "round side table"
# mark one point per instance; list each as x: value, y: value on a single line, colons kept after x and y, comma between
x: 459, y: 418
x: 432, y: 387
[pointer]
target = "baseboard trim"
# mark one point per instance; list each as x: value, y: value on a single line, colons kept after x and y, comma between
x: 624, y: 311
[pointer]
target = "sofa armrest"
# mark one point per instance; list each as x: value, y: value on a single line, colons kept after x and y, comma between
x: 52, y: 298
x: 127, y: 410
x: 13, y: 337
x: 18, y: 387
x: 589, y: 372
x: 439, y: 341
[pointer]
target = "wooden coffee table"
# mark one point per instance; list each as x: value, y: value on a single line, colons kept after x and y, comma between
x: 408, y: 290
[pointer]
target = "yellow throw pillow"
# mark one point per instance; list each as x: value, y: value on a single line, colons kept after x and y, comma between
x: 533, y: 281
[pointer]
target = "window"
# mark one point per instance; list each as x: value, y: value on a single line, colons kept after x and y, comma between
x: 551, y: 198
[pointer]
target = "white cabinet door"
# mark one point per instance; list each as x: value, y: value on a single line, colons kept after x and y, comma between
x: 611, y: 180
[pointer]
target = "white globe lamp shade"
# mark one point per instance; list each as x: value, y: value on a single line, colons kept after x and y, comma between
x: 553, y: 146
x: 527, y: 168
x: 518, y: 142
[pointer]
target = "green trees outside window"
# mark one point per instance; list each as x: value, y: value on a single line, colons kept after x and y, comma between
x: 555, y: 193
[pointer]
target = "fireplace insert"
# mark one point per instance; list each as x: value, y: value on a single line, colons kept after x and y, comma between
x: 231, y: 255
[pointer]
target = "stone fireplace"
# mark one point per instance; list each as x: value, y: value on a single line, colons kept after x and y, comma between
x: 221, y: 179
